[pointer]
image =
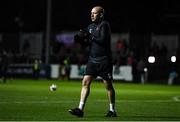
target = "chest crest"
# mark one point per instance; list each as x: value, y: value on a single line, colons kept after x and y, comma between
x: 97, y: 28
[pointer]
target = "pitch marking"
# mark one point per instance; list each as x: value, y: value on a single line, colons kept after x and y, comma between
x: 118, y: 101
x: 176, y: 98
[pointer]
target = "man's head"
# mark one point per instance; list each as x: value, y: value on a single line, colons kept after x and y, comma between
x: 97, y: 13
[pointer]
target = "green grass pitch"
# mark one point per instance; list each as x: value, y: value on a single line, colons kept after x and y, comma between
x: 31, y: 100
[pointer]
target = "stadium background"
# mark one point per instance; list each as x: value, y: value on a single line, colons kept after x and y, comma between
x: 44, y: 29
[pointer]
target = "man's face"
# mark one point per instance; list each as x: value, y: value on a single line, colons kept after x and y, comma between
x: 95, y: 15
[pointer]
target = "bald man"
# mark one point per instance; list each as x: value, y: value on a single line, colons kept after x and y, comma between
x: 99, y: 62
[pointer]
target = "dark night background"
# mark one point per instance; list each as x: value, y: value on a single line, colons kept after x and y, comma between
x: 160, y: 16
x: 140, y: 19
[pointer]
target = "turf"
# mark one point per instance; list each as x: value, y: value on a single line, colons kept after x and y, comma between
x: 31, y: 100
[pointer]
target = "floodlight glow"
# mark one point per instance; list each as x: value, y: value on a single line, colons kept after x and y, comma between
x: 173, y: 58
x: 151, y: 59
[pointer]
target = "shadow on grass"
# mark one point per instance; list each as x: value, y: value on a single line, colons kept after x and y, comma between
x: 150, y: 118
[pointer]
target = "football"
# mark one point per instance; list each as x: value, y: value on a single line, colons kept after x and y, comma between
x: 53, y: 87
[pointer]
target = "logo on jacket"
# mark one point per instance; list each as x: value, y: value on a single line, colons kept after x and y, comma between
x: 90, y: 30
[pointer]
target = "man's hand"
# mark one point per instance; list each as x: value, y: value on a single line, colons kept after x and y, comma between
x: 82, y: 37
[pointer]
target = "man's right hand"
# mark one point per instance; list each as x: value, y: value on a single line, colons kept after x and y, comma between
x: 82, y: 37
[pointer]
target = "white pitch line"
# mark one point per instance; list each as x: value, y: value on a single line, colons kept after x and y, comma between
x: 145, y: 101
x: 34, y: 102
x: 118, y: 101
x: 176, y: 98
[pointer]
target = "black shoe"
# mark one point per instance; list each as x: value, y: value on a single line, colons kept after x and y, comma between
x: 111, y: 114
x: 77, y: 112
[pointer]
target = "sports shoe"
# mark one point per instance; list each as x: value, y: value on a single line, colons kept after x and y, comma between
x: 111, y: 114
x: 77, y: 112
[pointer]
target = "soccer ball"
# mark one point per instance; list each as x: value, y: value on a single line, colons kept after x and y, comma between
x: 53, y: 87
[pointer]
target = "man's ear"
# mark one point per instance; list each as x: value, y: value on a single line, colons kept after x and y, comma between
x: 101, y: 15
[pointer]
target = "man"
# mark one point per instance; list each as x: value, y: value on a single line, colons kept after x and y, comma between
x: 3, y: 66
x: 36, y: 68
x: 99, y: 62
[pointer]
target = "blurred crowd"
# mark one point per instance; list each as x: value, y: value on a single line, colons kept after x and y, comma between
x: 123, y: 54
